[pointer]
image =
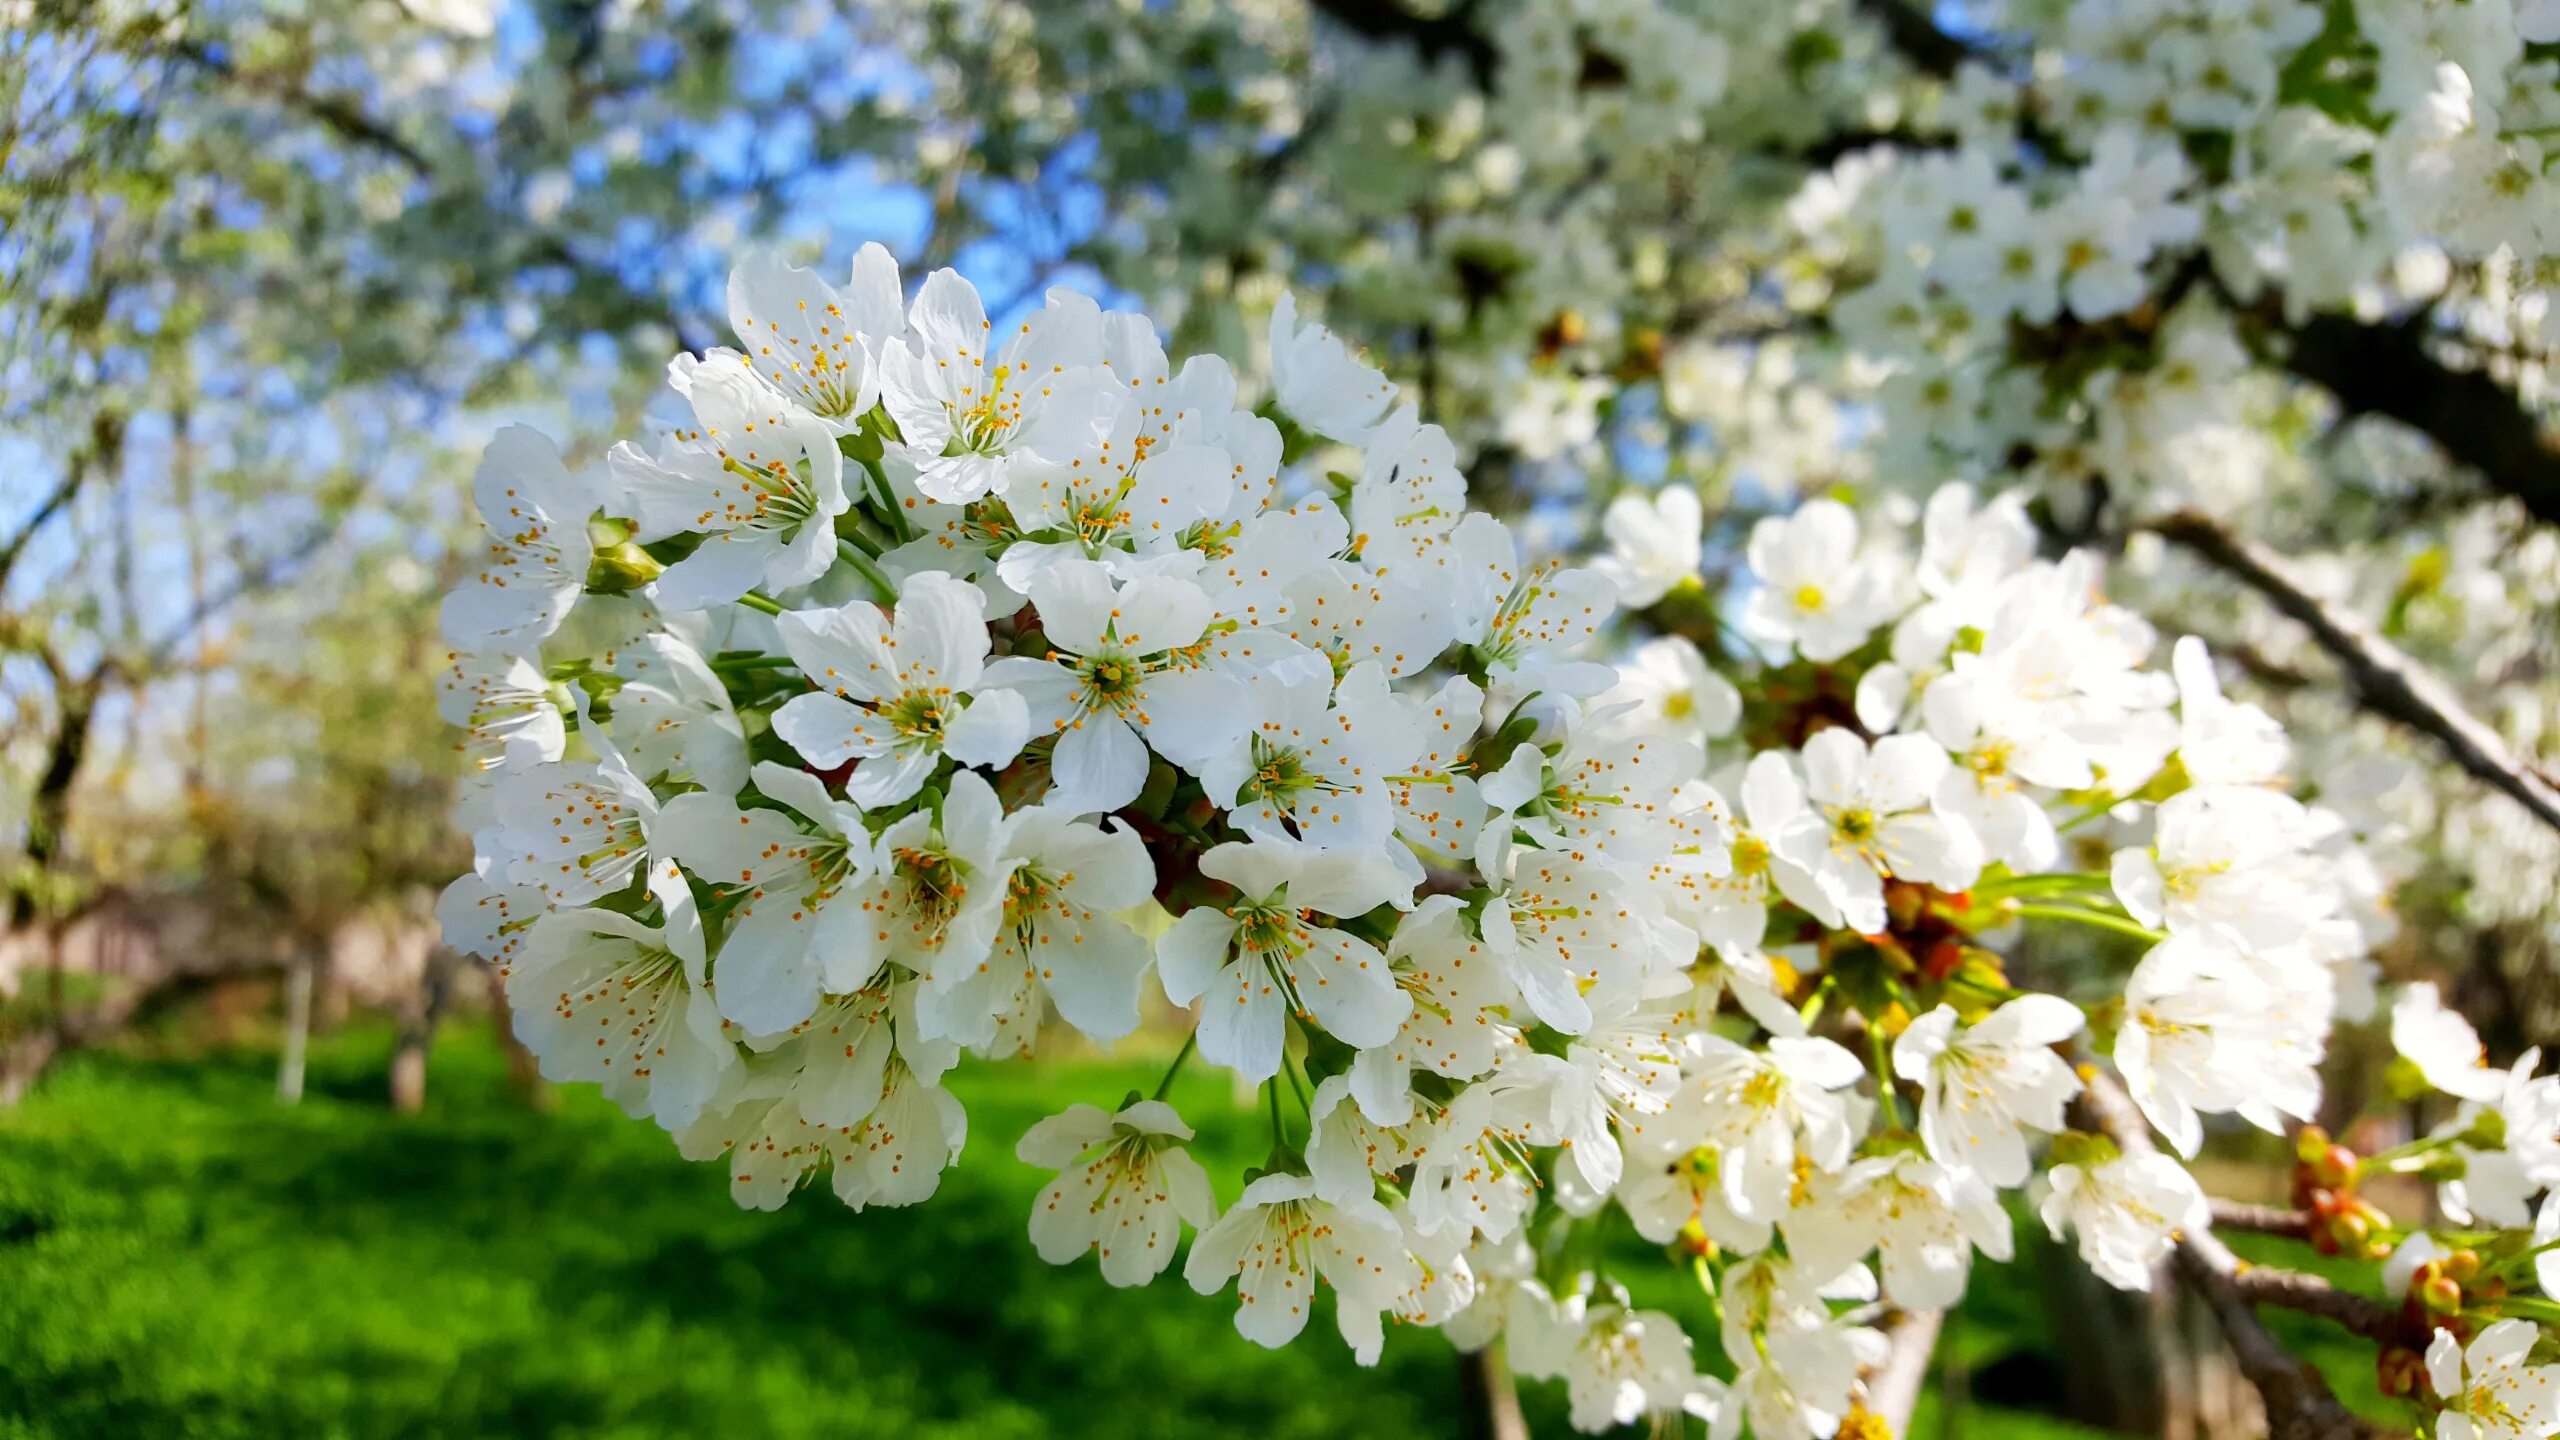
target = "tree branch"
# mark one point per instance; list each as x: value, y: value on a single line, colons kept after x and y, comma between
x: 1917, y: 38
x: 1488, y: 1401
x: 2299, y: 1403
x: 2386, y: 370
x: 1893, y: 1387
x: 344, y: 118
x: 2260, y: 1219
x: 336, y: 112
x: 267, y: 576
x: 2293, y: 1290
x: 72, y: 478
x: 2385, y: 681
x: 106, y: 446
x: 1433, y: 36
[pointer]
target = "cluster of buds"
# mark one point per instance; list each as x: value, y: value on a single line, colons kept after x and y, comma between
x: 2443, y: 1296
x: 2324, y: 1188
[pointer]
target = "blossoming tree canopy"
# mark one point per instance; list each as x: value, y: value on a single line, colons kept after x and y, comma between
x: 928, y: 690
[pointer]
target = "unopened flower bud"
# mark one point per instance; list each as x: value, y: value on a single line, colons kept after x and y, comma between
x: 2399, y: 1370
x: 620, y: 569
x: 2442, y: 1295
x: 2311, y: 1144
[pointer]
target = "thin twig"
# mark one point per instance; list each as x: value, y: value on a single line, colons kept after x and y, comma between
x: 2293, y: 1290
x: 337, y: 112
x: 73, y: 475
x: 2260, y: 1219
x: 2385, y: 680
x: 2299, y: 1403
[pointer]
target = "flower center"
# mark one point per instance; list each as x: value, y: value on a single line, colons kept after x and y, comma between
x: 917, y: 715
x: 1110, y: 679
x: 1855, y: 827
x: 935, y: 885
x: 983, y: 426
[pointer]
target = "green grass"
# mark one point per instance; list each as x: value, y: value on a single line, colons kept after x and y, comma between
x: 37, y: 997
x: 180, y: 1255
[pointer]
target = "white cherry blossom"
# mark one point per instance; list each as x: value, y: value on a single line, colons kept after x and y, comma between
x: 1280, y: 1239
x: 1266, y: 956
x: 1120, y: 673
x: 1125, y: 1187
x: 1982, y: 1086
x: 534, y: 563
x: 2490, y: 1389
x: 2127, y: 1211
x: 894, y: 694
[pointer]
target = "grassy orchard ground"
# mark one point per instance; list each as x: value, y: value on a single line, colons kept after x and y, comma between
x: 180, y: 1255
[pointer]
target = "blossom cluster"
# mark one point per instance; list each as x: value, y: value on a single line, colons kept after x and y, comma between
x: 929, y: 691
x: 2227, y: 166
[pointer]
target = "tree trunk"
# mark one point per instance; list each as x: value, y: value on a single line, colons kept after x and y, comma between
x: 2115, y: 1373
x: 297, y: 1027
x: 24, y: 1056
x: 418, y: 1035
x: 524, y: 1072
x: 1488, y: 1403
x: 2153, y: 1364
x: 24, y: 1062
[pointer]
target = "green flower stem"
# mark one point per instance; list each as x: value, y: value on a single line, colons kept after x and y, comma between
x: 2522, y: 1258
x: 2092, y: 813
x: 2096, y: 918
x: 2042, y: 885
x: 882, y: 589
x: 888, y: 499
x: 1181, y: 1057
x: 1885, y: 1093
x: 2526, y: 1307
x: 765, y: 603
x: 2420, y: 1148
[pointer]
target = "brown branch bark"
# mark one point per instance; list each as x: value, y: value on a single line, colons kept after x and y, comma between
x: 1488, y: 1403
x: 75, y: 703
x: 416, y: 1039
x: 2299, y: 1403
x: 2293, y: 1290
x: 2260, y: 1219
x: 1893, y: 1387
x: 2386, y: 369
x: 1917, y: 38
x: 1432, y: 35
x: 2385, y: 681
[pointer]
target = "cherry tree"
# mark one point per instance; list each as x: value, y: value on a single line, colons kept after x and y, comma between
x: 1696, y: 530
